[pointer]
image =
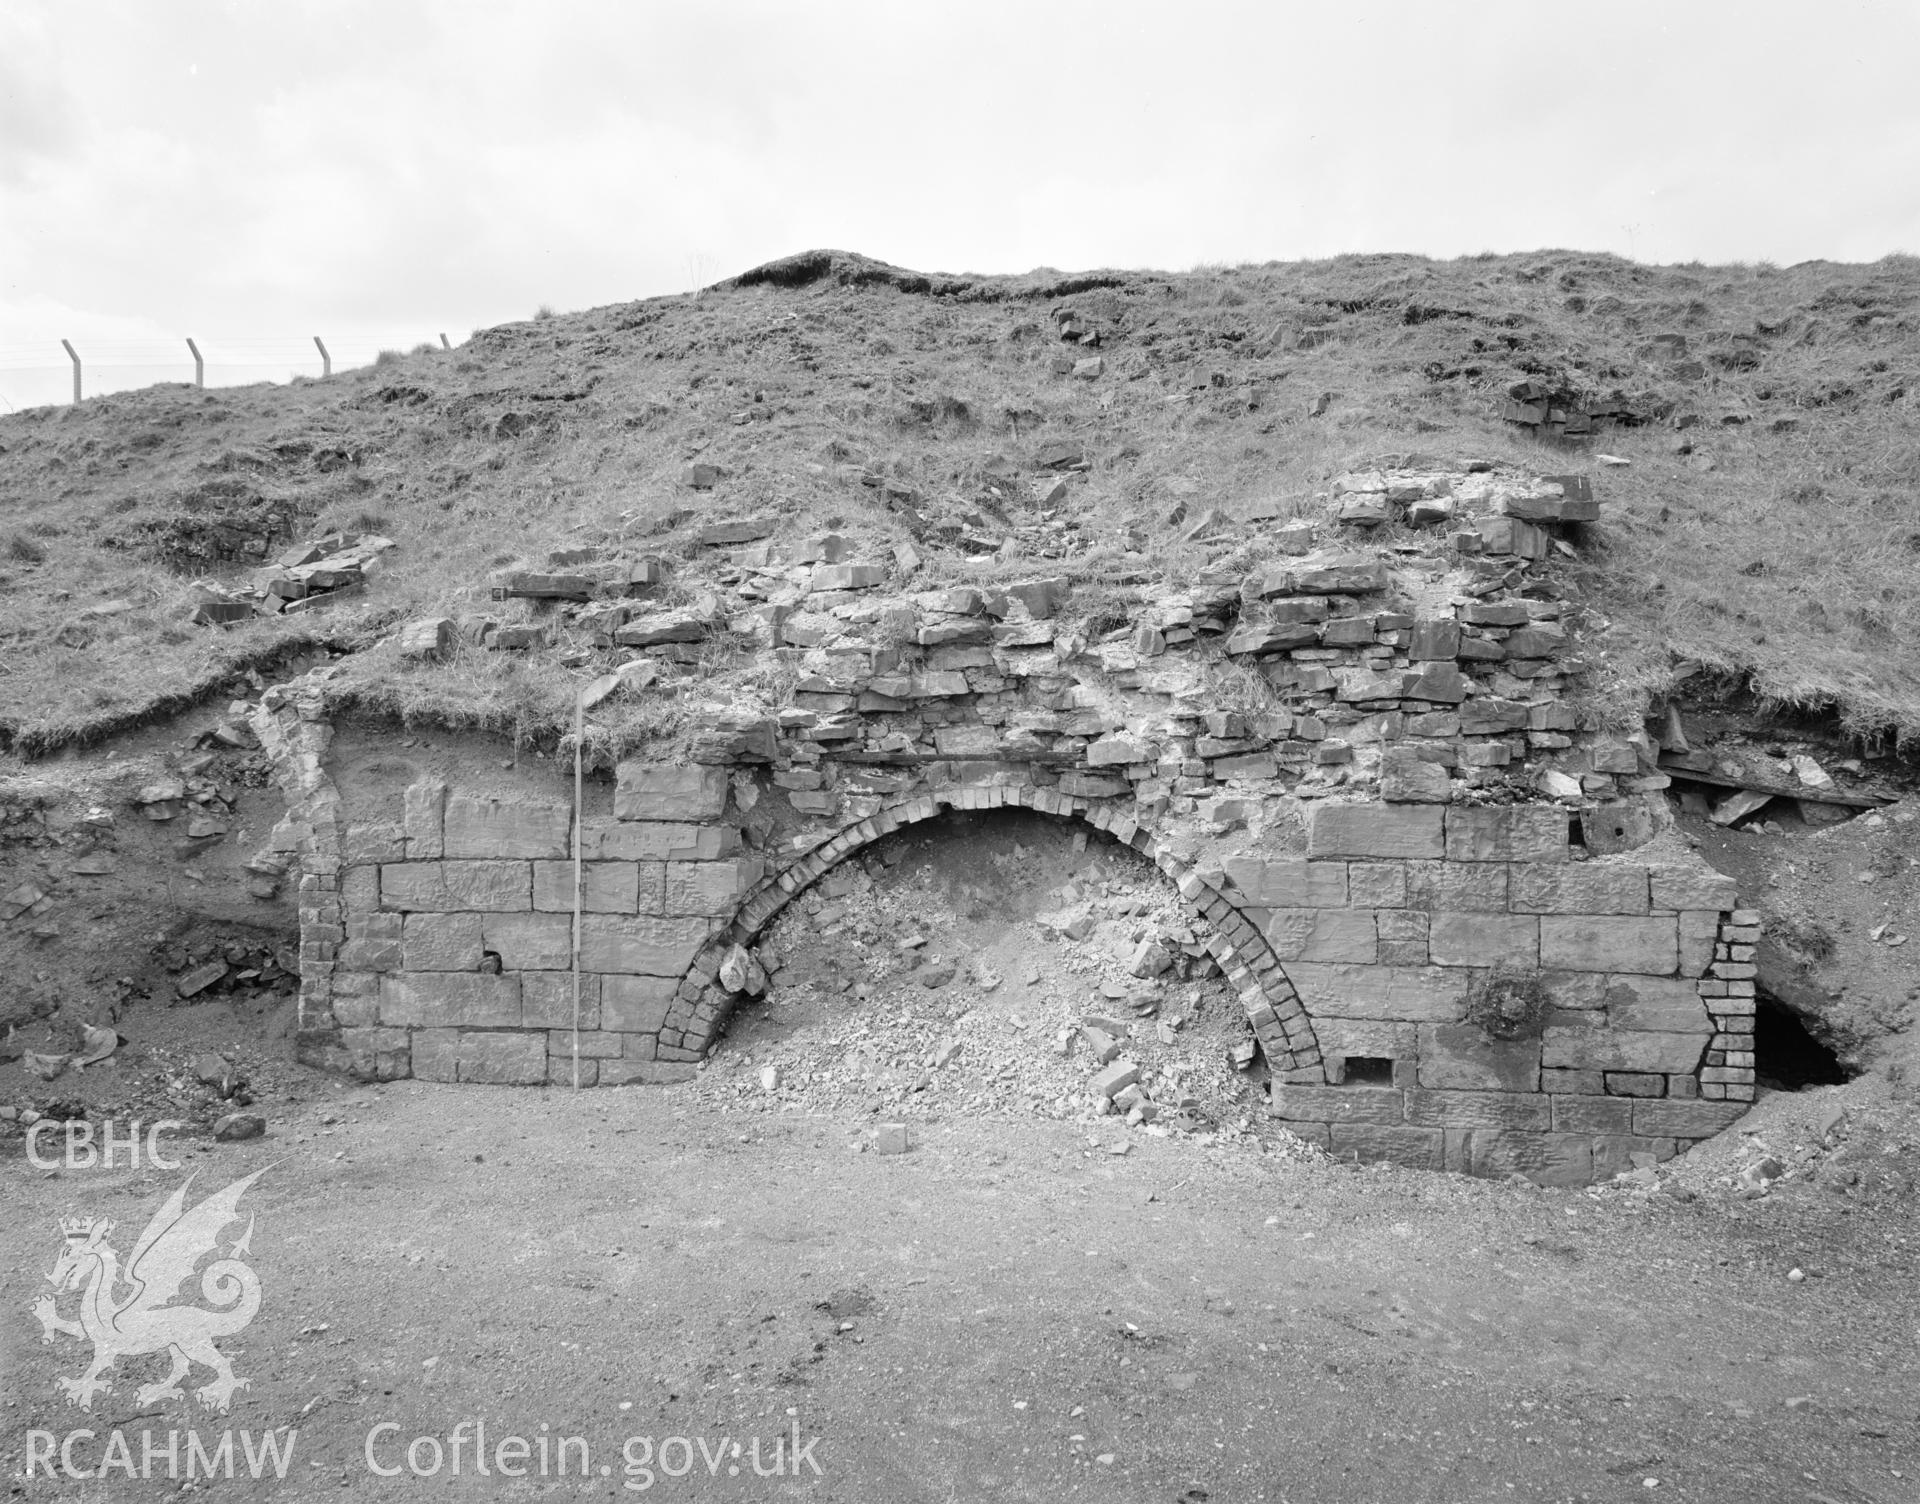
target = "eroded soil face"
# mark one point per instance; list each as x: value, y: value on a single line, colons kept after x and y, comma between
x: 1841, y: 905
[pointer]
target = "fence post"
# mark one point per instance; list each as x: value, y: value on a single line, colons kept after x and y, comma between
x: 74, y: 356
x: 199, y: 365
x: 443, y: 343
x: 326, y: 360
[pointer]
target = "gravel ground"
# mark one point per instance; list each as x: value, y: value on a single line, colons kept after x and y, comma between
x: 1007, y: 1311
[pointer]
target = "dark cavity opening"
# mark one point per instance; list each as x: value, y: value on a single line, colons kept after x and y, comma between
x: 1786, y: 1056
x: 1369, y: 1070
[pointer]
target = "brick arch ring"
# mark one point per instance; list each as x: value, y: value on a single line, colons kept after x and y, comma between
x: 701, y: 1005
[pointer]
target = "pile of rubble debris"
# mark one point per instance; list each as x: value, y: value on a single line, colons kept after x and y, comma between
x: 208, y: 1089
x: 63, y: 1051
x: 248, y: 973
x: 1083, y: 1000
x: 304, y: 578
x: 1733, y: 783
x: 198, y: 793
x: 254, y: 971
x: 1838, y: 1140
x: 1549, y: 411
x: 204, y: 792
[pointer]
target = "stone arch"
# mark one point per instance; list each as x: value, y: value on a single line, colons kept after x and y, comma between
x: 1274, y: 1011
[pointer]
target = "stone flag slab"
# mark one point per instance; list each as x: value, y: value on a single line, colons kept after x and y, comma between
x: 478, y: 827
x: 668, y: 791
x: 1347, y: 829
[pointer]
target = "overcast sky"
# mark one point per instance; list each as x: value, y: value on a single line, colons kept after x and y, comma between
x: 383, y: 171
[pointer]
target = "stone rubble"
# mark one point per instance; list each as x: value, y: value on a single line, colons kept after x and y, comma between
x: 1469, y: 682
x: 1793, y: 1141
x: 304, y: 578
x: 911, y: 1049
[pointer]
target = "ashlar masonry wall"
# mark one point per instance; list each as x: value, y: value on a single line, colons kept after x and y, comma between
x: 454, y: 953
x: 450, y: 951
x: 443, y: 950
x: 1397, y: 910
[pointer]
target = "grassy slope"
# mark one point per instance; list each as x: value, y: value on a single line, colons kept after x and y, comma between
x: 1792, y: 559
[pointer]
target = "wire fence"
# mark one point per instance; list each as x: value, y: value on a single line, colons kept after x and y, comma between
x: 48, y: 372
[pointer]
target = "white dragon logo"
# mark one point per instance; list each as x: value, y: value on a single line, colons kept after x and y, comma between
x: 142, y: 1321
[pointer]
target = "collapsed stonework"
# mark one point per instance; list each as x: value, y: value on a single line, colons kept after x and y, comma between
x: 1363, y: 769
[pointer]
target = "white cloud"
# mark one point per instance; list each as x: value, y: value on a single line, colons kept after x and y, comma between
x: 305, y: 166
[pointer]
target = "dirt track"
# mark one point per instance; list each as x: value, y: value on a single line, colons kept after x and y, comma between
x: 1009, y: 1311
